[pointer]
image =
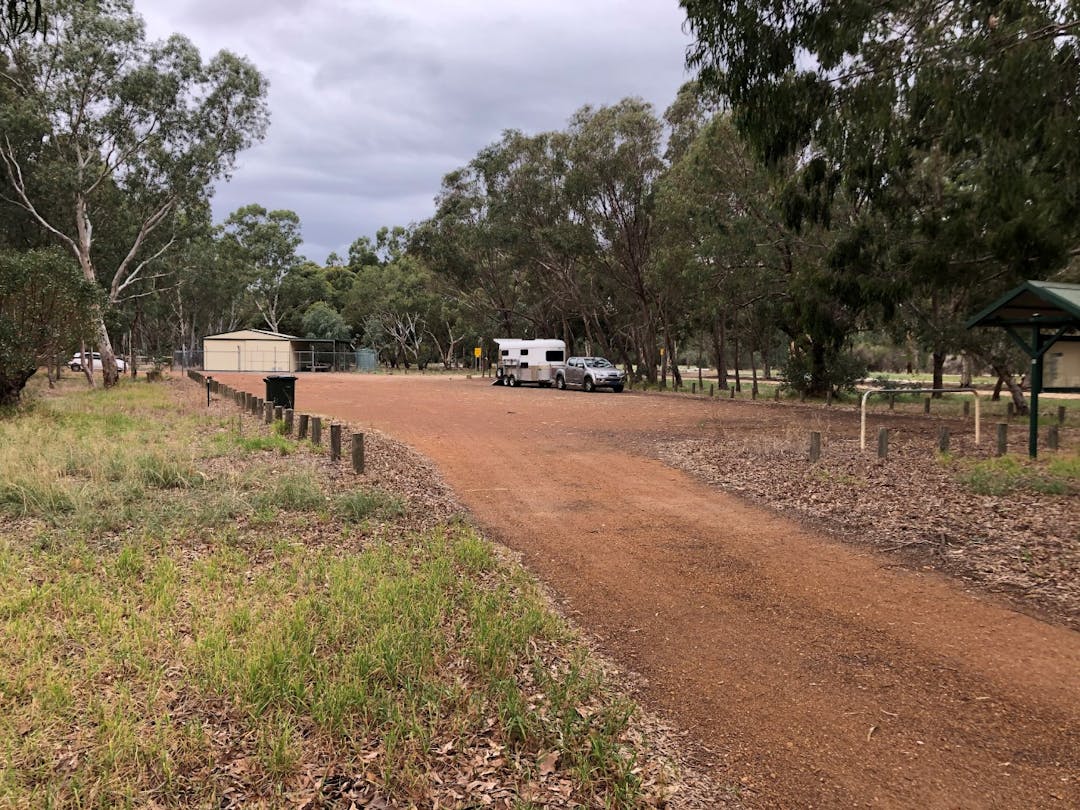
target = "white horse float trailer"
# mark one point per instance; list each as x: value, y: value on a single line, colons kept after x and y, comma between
x: 528, y: 361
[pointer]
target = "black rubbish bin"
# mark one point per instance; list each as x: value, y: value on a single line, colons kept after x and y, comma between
x: 281, y: 390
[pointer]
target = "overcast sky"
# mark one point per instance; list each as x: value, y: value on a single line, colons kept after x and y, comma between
x: 373, y: 101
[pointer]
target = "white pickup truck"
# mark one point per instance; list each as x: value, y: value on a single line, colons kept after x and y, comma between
x: 589, y: 373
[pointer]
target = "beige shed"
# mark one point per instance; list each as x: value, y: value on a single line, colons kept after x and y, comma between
x: 249, y: 350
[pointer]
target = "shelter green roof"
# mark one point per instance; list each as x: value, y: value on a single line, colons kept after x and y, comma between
x: 1034, y: 303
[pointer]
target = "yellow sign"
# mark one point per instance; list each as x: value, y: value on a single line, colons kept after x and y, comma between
x: 661, y: 351
x: 476, y: 352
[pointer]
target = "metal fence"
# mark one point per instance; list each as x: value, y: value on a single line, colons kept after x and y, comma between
x: 306, y: 360
x: 188, y: 358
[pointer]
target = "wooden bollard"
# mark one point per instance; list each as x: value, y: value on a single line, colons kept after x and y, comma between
x: 358, y: 452
x: 967, y: 408
x: 815, y: 446
x: 1061, y: 414
x: 288, y: 421
x: 1052, y: 437
x: 828, y: 397
x: 268, y: 412
x: 943, y: 440
x: 1002, y: 439
x: 883, y: 443
x: 301, y: 430
x: 279, y: 413
x: 316, y: 430
x: 335, y: 442
x: 892, y: 402
x: 753, y: 392
x: 926, y: 405
x: 693, y: 388
x: 1010, y: 410
x: 776, y: 394
x: 712, y: 389
x: 732, y: 392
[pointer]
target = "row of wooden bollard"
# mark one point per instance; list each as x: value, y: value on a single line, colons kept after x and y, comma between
x: 712, y: 389
x: 304, y: 424
x: 1000, y: 449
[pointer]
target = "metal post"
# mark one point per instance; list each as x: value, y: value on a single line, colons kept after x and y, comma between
x: 1036, y: 387
x: 209, y: 382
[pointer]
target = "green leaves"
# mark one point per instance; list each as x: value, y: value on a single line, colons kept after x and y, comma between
x: 44, y: 309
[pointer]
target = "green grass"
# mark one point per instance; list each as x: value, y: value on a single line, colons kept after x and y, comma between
x: 356, y: 506
x: 1000, y: 476
x: 183, y: 609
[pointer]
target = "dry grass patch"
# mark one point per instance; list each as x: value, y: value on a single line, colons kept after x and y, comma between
x: 191, y: 615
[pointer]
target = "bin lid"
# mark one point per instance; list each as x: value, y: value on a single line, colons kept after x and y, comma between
x: 279, y: 377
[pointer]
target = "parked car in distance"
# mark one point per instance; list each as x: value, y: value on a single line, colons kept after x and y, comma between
x: 76, y: 362
x: 589, y: 373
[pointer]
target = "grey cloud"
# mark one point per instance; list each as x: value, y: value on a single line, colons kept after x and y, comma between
x: 373, y: 102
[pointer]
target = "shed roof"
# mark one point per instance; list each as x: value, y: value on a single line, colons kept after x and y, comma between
x: 1033, y: 303
x: 252, y: 334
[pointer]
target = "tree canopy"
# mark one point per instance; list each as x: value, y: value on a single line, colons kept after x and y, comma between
x: 106, y: 139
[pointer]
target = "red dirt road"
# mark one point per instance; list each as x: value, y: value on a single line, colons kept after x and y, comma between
x: 816, y: 674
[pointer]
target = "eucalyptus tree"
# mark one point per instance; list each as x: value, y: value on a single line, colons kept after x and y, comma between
x: 467, y: 248
x: 960, y: 178
x: 264, y: 244
x: 19, y: 17
x: 43, y: 303
x: 148, y: 126
x: 614, y: 164
x: 322, y: 321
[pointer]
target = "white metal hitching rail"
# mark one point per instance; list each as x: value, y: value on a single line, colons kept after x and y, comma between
x: 899, y: 391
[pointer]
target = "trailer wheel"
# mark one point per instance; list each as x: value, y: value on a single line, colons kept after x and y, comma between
x: 512, y: 381
x: 560, y: 383
x: 588, y: 385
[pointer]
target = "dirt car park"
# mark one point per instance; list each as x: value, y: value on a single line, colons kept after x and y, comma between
x: 808, y: 670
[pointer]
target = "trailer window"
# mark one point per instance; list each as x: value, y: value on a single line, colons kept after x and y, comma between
x: 524, y: 352
x: 555, y: 356
x: 505, y: 352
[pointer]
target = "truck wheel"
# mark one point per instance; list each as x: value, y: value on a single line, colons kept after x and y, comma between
x: 560, y: 383
x: 588, y: 386
x: 617, y: 389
